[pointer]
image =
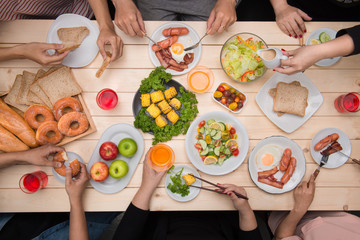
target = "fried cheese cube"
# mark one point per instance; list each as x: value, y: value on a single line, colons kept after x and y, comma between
x: 161, y: 121
x: 164, y: 106
x: 157, y: 96
x: 170, y: 93
x: 175, y: 103
x: 189, y: 179
x: 172, y: 116
x: 153, y: 110
x: 145, y: 100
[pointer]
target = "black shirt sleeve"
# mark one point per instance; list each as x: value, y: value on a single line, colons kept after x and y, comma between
x: 354, y: 33
x: 132, y: 223
x: 250, y: 235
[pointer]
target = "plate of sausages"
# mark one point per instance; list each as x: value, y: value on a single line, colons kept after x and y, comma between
x: 277, y: 164
x: 173, y: 38
x: 323, y: 139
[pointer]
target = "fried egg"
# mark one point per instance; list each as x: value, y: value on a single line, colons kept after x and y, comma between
x: 268, y: 157
x: 177, y: 49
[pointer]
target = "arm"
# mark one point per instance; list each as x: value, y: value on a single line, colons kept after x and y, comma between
x: 75, y: 189
x: 37, y: 156
x: 289, y: 19
x: 221, y: 16
x: 303, y: 196
x: 34, y: 51
x: 303, y: 58
x: 107, y: 31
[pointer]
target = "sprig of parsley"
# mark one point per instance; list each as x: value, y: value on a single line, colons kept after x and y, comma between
x: 155, y: 80
x: 177, y: 186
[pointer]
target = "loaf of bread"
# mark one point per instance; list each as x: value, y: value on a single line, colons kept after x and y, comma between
x: 71, y: 37
x: 14, y: 123
x: 10, y: 143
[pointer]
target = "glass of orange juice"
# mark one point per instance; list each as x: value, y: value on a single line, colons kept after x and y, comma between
x: 160, y: 157
x: 200, y: 79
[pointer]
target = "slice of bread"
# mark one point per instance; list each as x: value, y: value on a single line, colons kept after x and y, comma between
x: 28, y: 79
x: 59, y: 84
x: 32, y: 97
x: 14, y: 91
x: 291, y: 98
x: 71, y: 37
x: 104, y: 65
x: 36, y: 90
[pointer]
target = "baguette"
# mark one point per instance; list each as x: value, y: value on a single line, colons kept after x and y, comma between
x: 10, y: 143
x: 14, y: 123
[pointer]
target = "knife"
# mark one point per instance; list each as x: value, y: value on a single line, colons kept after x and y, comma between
x: 353, y: 159
x: 323, y: 161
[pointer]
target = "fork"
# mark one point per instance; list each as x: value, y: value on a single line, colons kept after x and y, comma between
x: 195, y: 45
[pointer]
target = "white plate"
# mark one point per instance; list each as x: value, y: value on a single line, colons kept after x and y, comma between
x: 230, y: 164
x: 71, y: 156
x: 336, y: 159
x: 88, y: 49
x: 158, y: 36
x: 115, y: 134
x: 315, y: 34
x: 193, y: 191
x: 288, y: 122
x: 299, y: 172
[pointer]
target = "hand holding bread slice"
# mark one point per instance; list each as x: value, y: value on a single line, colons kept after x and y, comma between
x: 71, y: 37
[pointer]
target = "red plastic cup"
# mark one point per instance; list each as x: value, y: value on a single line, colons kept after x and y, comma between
x: 32, y: 182
x: 348, y: 102
x: 107, y: 99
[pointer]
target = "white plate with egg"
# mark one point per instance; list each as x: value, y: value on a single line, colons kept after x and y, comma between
x: 186, y: 40
x: 267, y: 154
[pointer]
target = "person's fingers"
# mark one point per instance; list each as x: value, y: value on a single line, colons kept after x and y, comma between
x: 68, y: 176
x: 295, y: 27
x: 289, y: 29
x: 284, y: 29
x: 312, y: 182
x: 121, y: 25
x: 115, y: 48
x: 129, y: 29
x: 216, y: 25
x: 225, y: 185
x: 54, y: 149
x: 233, y: 196
x: 210, y: 21
x: 300, y: 23
x: 101, y: 44
x: 83, y: 172
x: 285, y: 62
x: 136, y: 28
x: 288, y: 71
x: 53, y: 46
x: 141, y: 22
x: 304, y: 15
x: 57, y: 57
x: 223, y: 25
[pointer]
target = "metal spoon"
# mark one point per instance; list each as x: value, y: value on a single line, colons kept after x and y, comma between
x: 196, y: 45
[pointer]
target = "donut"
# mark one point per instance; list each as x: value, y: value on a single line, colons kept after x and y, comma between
x: 37, y: 114
x: 66, y: 103
x: 62, y: 157
x: 48, y: 132
x: 73, y: 124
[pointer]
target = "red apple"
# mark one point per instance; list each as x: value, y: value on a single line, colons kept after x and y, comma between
x: 108, y: 151
x: 99, y: 171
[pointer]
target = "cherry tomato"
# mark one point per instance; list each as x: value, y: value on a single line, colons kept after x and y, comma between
x: 235, y: 152
x: 233, y: 95
x: 242, y: 96
x: 232, y: 130
x: 233, y: 105
x: 218, y: 94
x: 226, y: 87
x: 203, y: 157
x: 198, y: 146
x: 202, y: 123
x: 221, y: 88
x: 227, y: 93
x: 232, y: 90
x: 223, y: 100
x: 229, y: 100
x: 237, y: 99
x: 240, y: 104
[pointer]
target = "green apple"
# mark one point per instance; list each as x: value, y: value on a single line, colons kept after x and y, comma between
x: 118, y: 169
x: 127, y: 147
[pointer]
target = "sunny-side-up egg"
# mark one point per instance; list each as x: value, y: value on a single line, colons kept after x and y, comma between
x: 177, y: 49
x: 268, y: 157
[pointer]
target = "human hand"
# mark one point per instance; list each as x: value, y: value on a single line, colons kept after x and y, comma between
x: 108, y: 36
x: 221, y: 16
x: 128, y: 18
x: 39, y: 156
x: 75, y: 187
x: 291, y: 20
x: 304, y: 195
x: 150, y: 177
x: 38, y: 52
x: 299, y: 60
x: 239, y: 203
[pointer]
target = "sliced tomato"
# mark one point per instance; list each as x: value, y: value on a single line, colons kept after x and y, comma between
x: 234, y: 147
x: 198, y: 146
x: 199, y: 136
x: 203, y: 157
x: 235, y: 152
x: 217, y: 143
x: 202, y: 123
x: 232, y: 130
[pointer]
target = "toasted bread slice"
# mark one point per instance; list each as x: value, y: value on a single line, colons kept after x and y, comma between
x: 14, y: 91
x: 104, y: 65
x: 71, y: 37
x: 32, y: 97
x: 37, y: 91
x: 28, y: 79
x: 291, y: 98
x: 59, y: 84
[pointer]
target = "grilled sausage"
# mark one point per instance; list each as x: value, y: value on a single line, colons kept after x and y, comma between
x: 165, y: 43
x: 290, y: 171
x: 265, y: 174
x: 175, y: 31
x: 271, y: 182
x: 326, y: 141
x: 285, y: 160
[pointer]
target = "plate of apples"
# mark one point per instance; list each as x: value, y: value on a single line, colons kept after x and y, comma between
x: 115, y: 158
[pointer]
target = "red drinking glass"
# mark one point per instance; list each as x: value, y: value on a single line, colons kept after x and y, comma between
x: 31, y: 182
x: 107, y: 99
x: 348, y: 102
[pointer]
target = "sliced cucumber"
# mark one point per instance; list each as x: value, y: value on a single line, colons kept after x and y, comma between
x: 217, y: 135
x: 217, y: 151
x: 211, y: 146
x: 223, y: 126
x: 324, y: 37
x: 211, y: 153
x: 202, y: 130
x: 202, y: 143
x: 221, y: 160
x: 227, y: 151
x: 222, y: 148
x: 210, y: 149
x: 210, y: 121
x: 213, y: 132
x: 205, y: 152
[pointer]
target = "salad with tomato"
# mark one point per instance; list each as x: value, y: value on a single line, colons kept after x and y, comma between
x: 216, y: 142
x: 239, y: 58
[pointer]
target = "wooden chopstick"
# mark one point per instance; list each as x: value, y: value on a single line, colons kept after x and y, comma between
x: 208, y: 189
x: 221, y: 187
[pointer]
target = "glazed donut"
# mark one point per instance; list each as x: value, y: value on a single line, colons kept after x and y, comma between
x: 62, y: 104
x: 37, y: 114
x: 68, y: 119
x: 48, y: 132
x: 62, y: 157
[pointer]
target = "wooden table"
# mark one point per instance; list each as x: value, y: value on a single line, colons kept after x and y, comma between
x: 336, y: 189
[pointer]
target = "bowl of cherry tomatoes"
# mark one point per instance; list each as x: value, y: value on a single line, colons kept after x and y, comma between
x: 229, y: 97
